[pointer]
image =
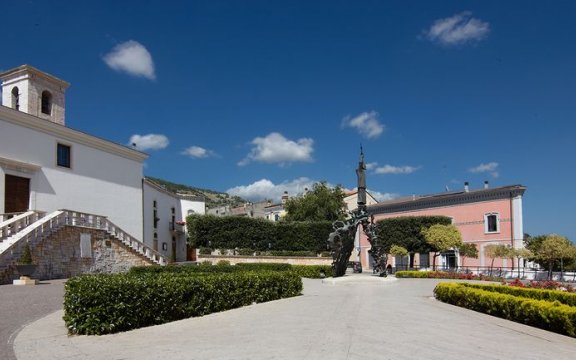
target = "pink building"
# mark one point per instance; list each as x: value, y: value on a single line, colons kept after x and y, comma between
x: 483, y: 216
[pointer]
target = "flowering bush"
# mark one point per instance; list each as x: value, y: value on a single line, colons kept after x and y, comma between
x: 444, y: 275
x: 547, y: 284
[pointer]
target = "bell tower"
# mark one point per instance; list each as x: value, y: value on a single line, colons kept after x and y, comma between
x: 34, y: 92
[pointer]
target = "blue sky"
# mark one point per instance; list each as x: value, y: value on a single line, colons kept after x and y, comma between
x: 258, y: 97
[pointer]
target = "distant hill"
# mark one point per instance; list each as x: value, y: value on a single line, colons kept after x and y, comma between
x: 213, y: 198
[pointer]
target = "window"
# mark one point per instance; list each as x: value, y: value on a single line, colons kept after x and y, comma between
x: 15, y: 98
x: 63, y: 155
x: 46, y: 102
x: 491, y: 223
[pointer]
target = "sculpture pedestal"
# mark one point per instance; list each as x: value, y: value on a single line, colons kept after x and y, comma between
x: 25, y: 280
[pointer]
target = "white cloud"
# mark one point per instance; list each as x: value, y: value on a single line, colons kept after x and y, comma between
x: 275, y: 148
x: 458, y: 29
x: 371, y: 166
x: 383, y: 196
x: 367, y: 124
x: 266, y: 189
x: 133, y: 58
x: 197, y: 152
x: 491, y: 167
x: 395, y: 170
x: 149, y: 142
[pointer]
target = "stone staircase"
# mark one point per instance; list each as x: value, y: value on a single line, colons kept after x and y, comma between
x: 55, y: 243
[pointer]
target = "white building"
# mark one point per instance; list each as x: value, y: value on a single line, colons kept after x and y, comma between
x: 47, y: 166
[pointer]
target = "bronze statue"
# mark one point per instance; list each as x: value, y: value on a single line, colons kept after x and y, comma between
x: 341, y: 240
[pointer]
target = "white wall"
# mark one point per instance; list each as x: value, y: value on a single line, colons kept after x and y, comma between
x: 98, y: 182
x: 165, y: 202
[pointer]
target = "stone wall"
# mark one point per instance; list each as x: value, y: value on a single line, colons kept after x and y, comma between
x: 266, y: 259
x: 59, y: 255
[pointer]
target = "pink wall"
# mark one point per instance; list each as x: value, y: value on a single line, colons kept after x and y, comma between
x: 469, y: 219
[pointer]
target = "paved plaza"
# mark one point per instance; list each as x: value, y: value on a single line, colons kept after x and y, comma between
x: 359, y: 317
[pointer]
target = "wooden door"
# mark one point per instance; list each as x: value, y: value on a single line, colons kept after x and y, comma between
x: 17, y: 194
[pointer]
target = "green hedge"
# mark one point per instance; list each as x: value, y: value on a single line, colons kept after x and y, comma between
x: 202, y: 268
x: 264, y: 266
x: 307, y: 271
x: 312, y: 271
x: 548, y: 315
x: 411, y: 274
x: 110, y: 303
x: 537, y: 294
x: 234, y: 232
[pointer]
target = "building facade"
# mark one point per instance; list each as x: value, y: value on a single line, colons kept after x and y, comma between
x: 47, y: 166
x: 483, y: 216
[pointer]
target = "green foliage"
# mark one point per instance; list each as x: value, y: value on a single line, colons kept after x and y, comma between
x: 26, y: 258
x: 264, y: 266
x: 405, y: 231
x: 494, y: 251
x: 319, y: 204
x: 245, y: 252
x: 397, y: 250
x: 151, y: 299
x: 555, y: 247
x: 211, y: 197
x: 548, y: 315
x: 531, y: 293
x: 468, y: 250
x: 205, y: 250
x: 442, y: 238
x: 232, y: 232
x: 534, y: 244
x: 312, y: 271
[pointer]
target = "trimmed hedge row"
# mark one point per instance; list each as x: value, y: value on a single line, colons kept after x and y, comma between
x: 307, y: 271
x: 537, y: 294
x: 234, y: 232
x: 547, y: 315
x: 152, y: 299
x: 312, y: 271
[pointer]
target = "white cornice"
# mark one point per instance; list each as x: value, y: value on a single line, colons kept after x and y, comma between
x: 19, y: 165
x: 66, y: 133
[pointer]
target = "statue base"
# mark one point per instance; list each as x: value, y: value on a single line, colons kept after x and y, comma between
x: 360, y: 278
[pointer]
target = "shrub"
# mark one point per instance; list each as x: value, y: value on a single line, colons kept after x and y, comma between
x: 151, y: 299
x: 245, y: 252
x: 264, y: 266
x: 548, y: 315
x: 231, y: 232
x: 312, y: 271
x: 531, y: 293
x: 205, y: 251
x: 444, y: 275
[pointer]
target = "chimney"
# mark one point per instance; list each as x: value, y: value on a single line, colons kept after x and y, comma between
x: 466, y: 188
x: 284, y: 197
x: 486, y: 184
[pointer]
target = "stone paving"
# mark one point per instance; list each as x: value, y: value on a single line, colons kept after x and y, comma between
x: 20, y: 305
x: 356, y: 318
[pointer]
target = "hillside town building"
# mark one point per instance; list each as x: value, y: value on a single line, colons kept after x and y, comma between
x: 46, y: 166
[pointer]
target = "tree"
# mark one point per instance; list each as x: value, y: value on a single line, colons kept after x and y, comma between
x: 494, y: 251
x: 519, y: 254
x: 555, y: 247
x: 468, y: 250
x: 442, y: 238
x: 321, y: 203
x: 396, y: 250
x: 405, y: 231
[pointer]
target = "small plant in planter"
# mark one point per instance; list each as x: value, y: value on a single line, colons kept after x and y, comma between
x: 25, y: 265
